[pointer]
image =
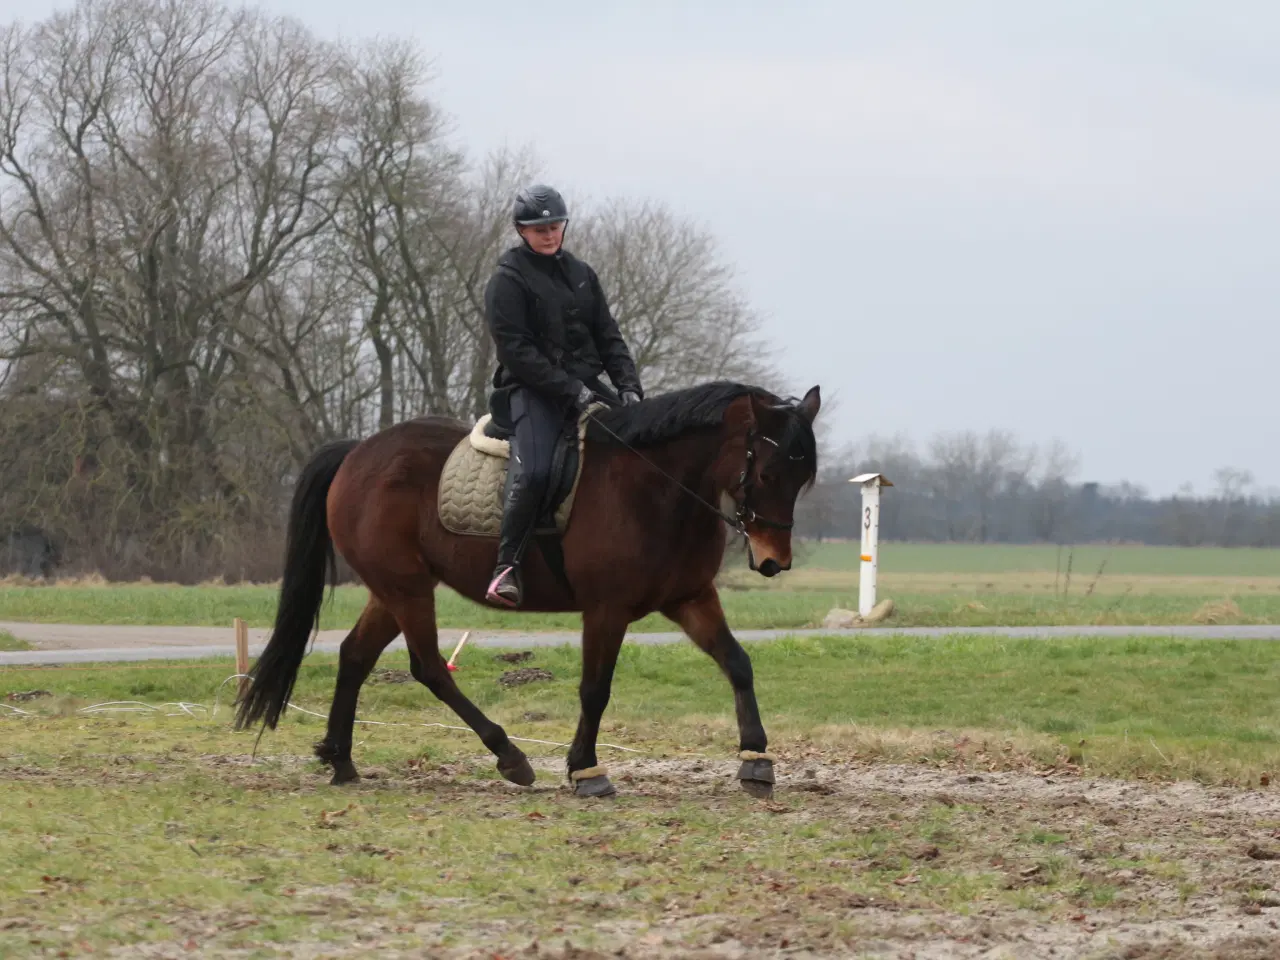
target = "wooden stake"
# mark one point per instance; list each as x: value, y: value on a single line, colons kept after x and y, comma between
x: 457, y: 650
x: 242, y: 653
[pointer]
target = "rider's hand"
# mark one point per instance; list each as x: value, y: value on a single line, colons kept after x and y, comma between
x: 584, y: 398
x: 629, y: 397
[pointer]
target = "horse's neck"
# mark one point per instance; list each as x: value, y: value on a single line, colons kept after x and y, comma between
x: 689, y: 460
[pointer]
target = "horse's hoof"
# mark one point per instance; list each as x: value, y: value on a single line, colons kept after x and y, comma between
x: 344, y: 774
x: 519, y: 771
x: 598, y: 786
x: 756, y: 778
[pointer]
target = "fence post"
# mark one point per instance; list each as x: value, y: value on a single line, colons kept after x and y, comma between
x: 870, y: 554
x: 242, y: 654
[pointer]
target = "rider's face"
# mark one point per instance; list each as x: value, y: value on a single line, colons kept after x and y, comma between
x: 545, y: 238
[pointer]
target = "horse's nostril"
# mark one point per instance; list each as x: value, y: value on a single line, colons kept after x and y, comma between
x: 770, y: 568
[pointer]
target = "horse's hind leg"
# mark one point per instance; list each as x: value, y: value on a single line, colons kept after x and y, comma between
x: 702, y: 618
x: 375, y: 629
x: 417, y: 618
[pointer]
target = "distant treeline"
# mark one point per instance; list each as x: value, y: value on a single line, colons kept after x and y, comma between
x: 980, y: 488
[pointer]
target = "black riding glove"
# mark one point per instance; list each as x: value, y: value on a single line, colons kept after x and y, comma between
x: 584, y: 398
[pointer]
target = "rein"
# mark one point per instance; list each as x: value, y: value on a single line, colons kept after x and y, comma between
x: 745, y: 513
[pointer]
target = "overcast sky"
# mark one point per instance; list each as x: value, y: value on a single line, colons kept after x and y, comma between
x: 1056, y: 218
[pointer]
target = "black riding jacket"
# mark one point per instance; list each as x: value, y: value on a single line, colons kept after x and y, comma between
x: 552, y: 329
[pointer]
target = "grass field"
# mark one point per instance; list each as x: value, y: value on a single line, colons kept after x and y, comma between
x: 932, y: 585
x: 9, y: 642
x: 1026, y: 558
x: 746, y: 609
x: 1210, y: 706
x: 930, y: 792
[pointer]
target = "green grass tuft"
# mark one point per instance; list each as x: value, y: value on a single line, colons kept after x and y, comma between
x: 9, y: 642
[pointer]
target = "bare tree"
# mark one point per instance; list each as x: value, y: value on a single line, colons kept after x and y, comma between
x: 673, y: 298
x: 1051, y: 501
x: 971, y: 474
x: 951, y: 480
x: 159, y: 161
x: 1185, y: 523
x: 1233, y: 486
x: 447, y: 340
x: 402, y: 181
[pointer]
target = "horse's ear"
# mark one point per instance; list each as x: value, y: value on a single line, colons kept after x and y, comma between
x: 811, y: 404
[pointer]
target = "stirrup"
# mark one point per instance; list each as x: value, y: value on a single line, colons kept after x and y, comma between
x: 504, y: 589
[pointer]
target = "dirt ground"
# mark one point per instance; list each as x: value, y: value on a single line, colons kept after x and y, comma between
x: 1193, y: 872
x: 1225, y: 842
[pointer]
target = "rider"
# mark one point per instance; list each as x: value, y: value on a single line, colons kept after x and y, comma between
x: 554, y: 336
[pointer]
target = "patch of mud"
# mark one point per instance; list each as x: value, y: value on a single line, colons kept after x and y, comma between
x: 390, y: 676
x: 1221, y: 842
x: 517, y: 656
x: 1231, y: 948
x: 1193, y: 862
x: 723, y: 938
x: 927, y: 784
x: 26, y: 696
x: 1061, y: 790
x: 518, y: 678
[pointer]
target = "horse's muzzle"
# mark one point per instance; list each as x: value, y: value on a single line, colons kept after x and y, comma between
x: 771, y: 568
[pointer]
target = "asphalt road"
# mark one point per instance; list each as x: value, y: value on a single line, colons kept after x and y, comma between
x: 81, y: 643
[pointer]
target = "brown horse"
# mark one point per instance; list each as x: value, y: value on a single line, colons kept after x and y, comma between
x: 647, y: 533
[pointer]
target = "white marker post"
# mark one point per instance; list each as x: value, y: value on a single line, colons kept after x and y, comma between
x: 871, y: 484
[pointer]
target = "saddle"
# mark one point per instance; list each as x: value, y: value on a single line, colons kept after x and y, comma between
x: 473, y: 483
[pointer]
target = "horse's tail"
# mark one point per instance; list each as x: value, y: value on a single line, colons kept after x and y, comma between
x: 309, y: 549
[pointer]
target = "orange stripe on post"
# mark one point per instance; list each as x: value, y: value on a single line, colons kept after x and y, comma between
x: 866, y: 557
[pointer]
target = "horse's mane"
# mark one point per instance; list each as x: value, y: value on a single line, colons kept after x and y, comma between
x: 668, y: 415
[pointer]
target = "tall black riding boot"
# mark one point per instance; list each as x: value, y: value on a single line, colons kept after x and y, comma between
x: 520, y: 514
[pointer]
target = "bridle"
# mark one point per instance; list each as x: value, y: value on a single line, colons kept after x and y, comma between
x: 746, y: 483
x: 745, y: 512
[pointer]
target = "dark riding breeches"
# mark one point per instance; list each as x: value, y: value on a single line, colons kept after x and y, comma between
x: 538, y: 426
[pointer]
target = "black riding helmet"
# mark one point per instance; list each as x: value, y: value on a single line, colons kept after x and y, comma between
x: 539, y: 204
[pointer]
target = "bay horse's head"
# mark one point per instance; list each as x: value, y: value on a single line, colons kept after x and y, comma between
x: 764, y: 455
x: 775, y: 454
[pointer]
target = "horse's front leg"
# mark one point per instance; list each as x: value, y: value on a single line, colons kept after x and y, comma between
x: 417, y: 616
x: 603, y: 630
x: 702, y: 618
